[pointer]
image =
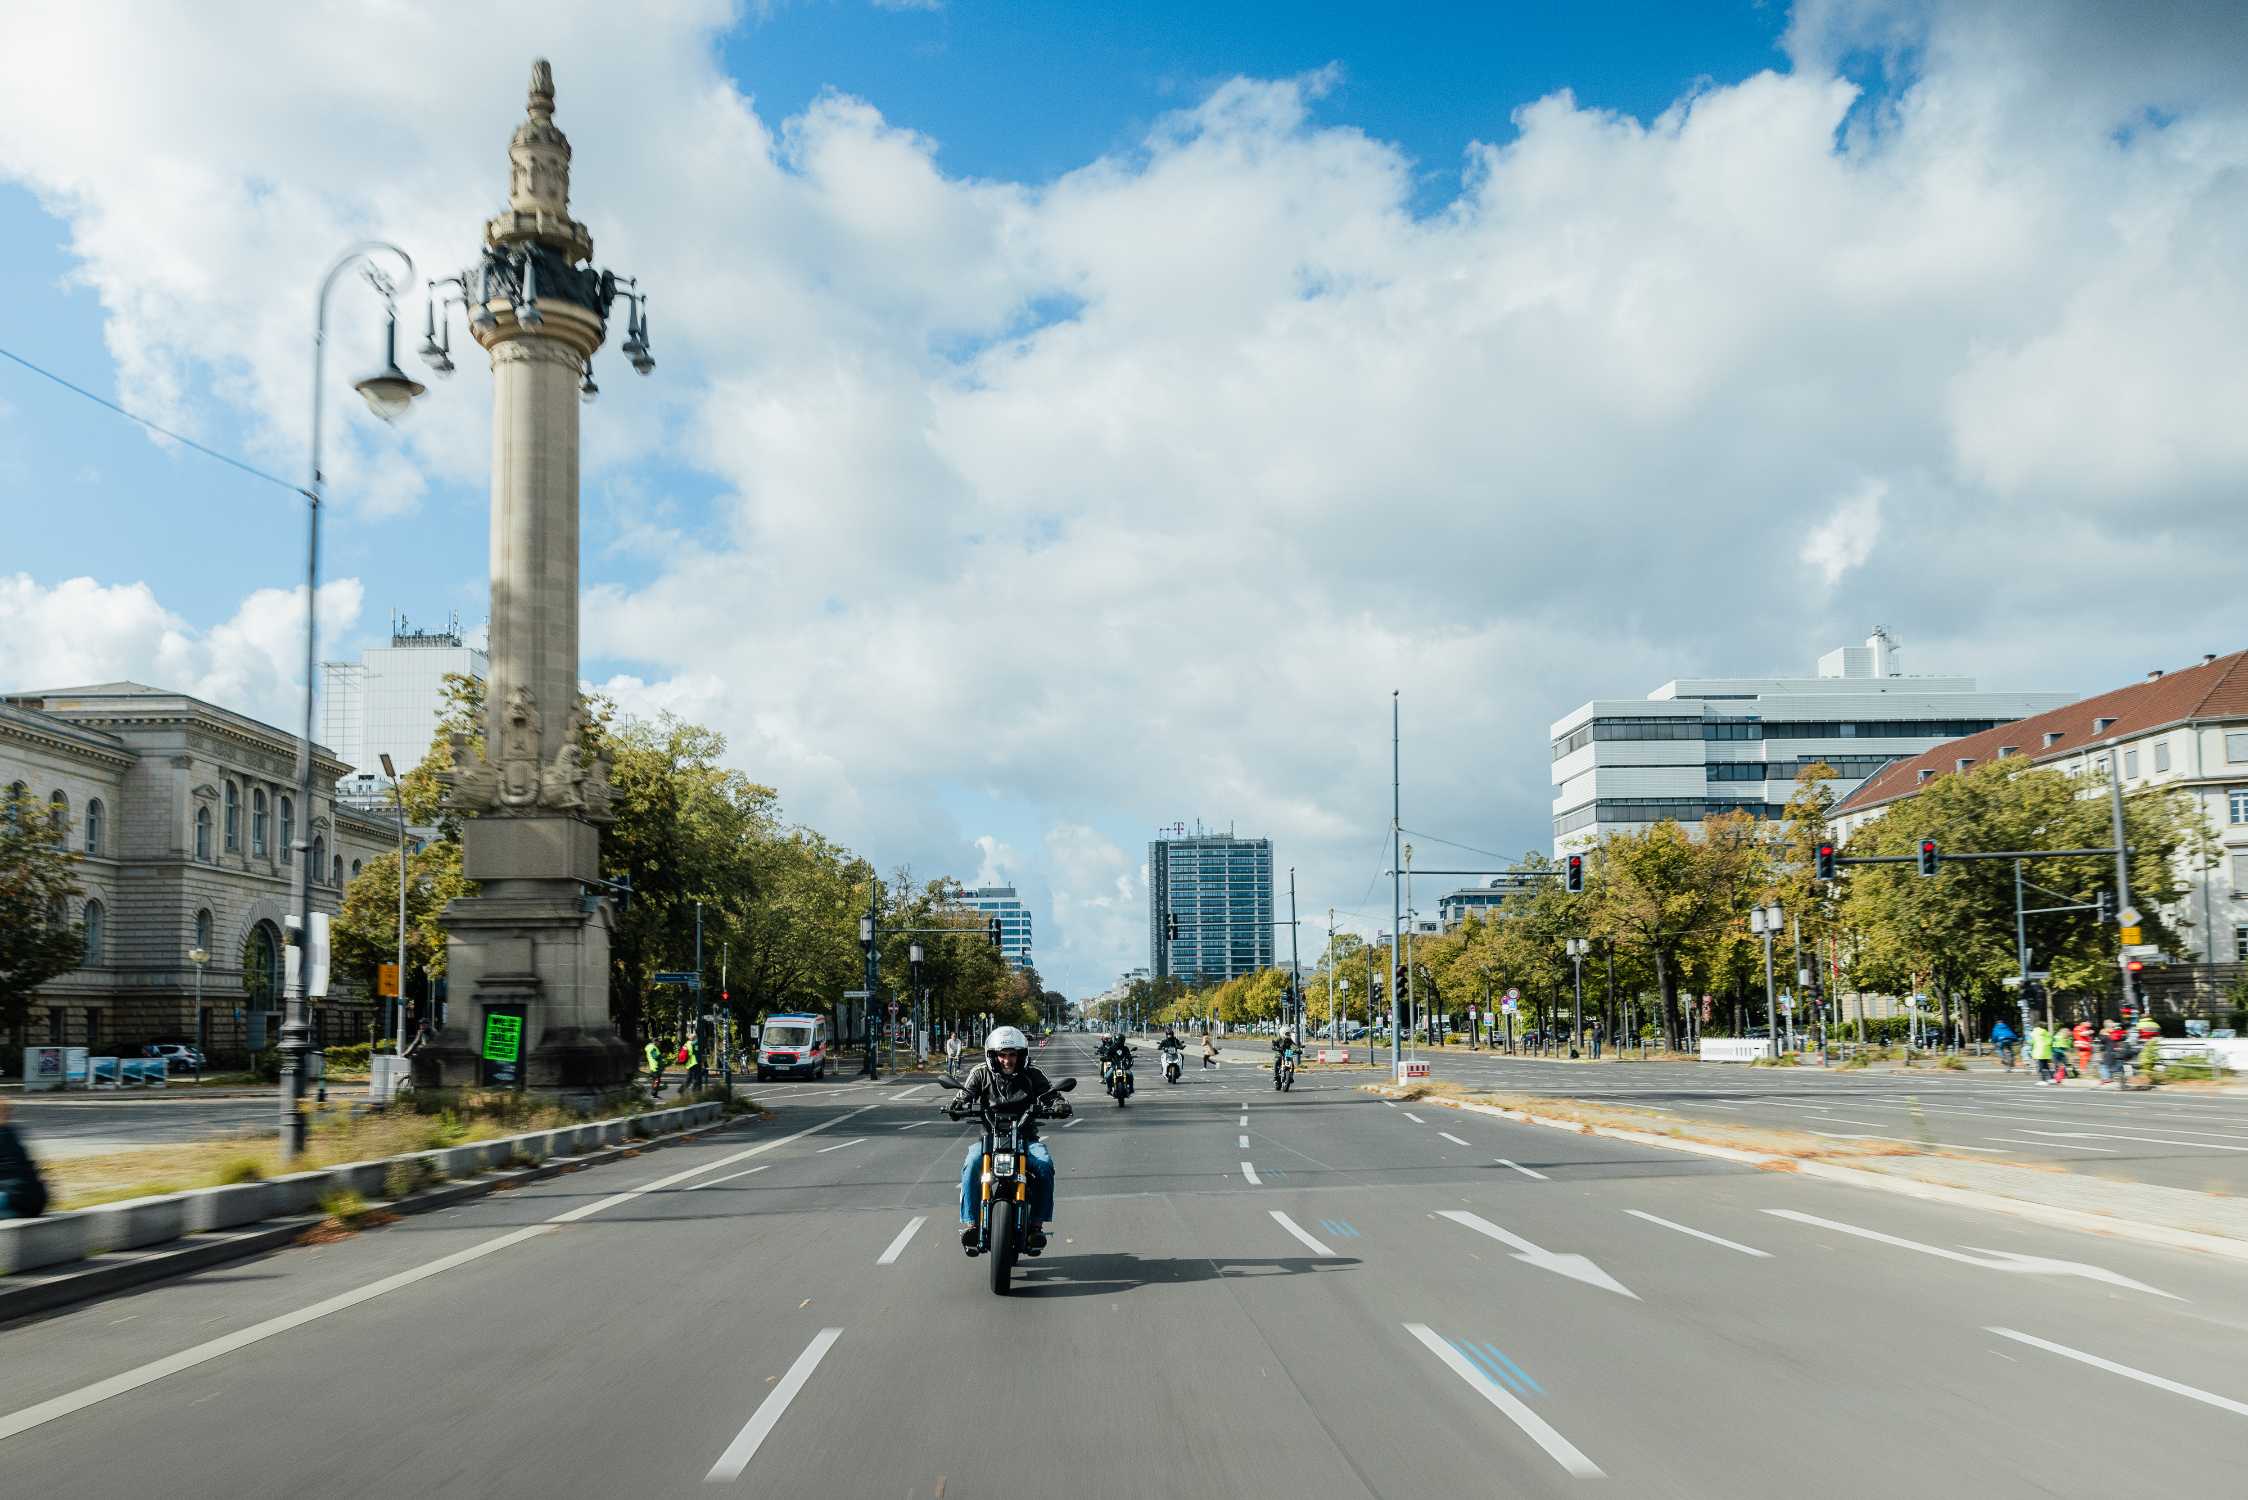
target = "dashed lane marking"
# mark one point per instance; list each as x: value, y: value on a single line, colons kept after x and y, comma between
x: 769, y: 1411
x: 2176, y: 1388
x: 1298, y: 1231
x: 1700, y: 1234
x: 890, y: 1256
x: 1525, y: 1171
x: 1541, y: 1432
x: 1250, y: 1172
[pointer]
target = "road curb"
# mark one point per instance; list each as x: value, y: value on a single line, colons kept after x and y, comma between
x: 2052, y: 1215
x: 27, y: 1294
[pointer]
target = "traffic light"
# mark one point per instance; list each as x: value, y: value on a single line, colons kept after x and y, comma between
x: 1573, y: 874
x: 1171, y: 926
x: 2134, y: 966
x: 1825, y: 861
x: 1927, y: 856
x: 2100, y: 907
x: 993, y: 932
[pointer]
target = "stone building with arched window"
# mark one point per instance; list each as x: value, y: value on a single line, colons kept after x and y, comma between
x: 171, y: 805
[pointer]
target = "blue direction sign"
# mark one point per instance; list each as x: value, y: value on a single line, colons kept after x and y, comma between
x: 679, y: 976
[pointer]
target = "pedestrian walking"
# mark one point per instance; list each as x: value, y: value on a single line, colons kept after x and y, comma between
x: 653, y: 1052
x: 1209, y: 1050
x: 23, y: 1192
x: 698, y: 1076
x: 2083, y: 1038
x: 952, y: 1053
x: 2041, y: 1052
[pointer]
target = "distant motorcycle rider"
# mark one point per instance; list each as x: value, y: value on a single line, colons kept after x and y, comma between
x: 1006, y: 1083
x: 1114, y: 1051
x: 1282, y: 1046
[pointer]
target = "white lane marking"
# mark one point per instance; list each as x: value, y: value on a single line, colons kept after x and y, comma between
x: 1701, y: 1234
x: 1242, y: 1121
x: 768, y: 1414
x: 188, y: 1359
x: 1298, y: 1231
x: 599, y: 1205
x: 1072, y: 1125
x: 1244, y: 1143
x: 1974, y: 1255
x: 1557, y: 1447
x: 2156, y: 1140
x: 1575, y: 1267
x: 1250, y: 1172
x: 909, y: 1093
x: 729, y: 1177
x: 916, y: 1125
x: 890, y: 1256
x: 839, y: 1145
x: 2176, y: 1388
x: 1416, y: 1119
x: 1392, y: 1103
x: 2063, y: 1145
x: 1455, y: 1140
x: 1525, y: 1171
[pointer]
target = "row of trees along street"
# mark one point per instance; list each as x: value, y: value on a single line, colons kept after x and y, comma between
x: 780, y: 902
x: 1667, y: 916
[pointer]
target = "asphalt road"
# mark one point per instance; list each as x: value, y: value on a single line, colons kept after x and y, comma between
x: 2171, y: 1136
x: 1310, y: 1295
x: 55, y: 1127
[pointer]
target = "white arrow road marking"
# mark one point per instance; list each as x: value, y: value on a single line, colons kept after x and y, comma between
x: 2110, y: 1135
x: 1700, y: 1234
x: 890, y: 1256
x: 1525, y: 1171
x: 1298, y: 1231
x: 1455, y: 1140
x: 1576, y: 1267
x: 1989, y: 1260
x: 1557, y: 1447
x: 768, y: 1414
x: 1251, y: 1173
x: 2191, y: 1393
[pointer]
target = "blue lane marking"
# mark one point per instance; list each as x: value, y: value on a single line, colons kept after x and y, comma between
x: 1520, y: 1373
x: 1483, y: 1363
x: 1340, y: 1228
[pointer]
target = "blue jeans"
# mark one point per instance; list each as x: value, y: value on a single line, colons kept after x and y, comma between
x: 1041, y: 1182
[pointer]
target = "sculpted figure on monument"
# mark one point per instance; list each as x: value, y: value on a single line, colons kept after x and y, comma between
x: 519, y: 750
x: 558, y: 785
x: 596, y: 792
x: 470, y: 784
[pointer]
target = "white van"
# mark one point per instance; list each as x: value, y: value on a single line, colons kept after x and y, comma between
x: 793, y: 1046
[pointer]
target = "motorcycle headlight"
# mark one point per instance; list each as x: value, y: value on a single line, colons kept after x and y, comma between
x: 1002, y: 1163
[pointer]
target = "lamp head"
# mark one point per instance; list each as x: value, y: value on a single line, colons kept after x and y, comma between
x: 390, y: 390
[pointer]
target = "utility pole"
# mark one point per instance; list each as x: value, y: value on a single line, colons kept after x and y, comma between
x: 1396, y: 883
x: 1578, y: 947
x: 694, y: 994
x: 1295, y: 959
x: 1373, y: 990
x: 2124, y: 915
x: 869, y: 938
x: 1334, y: 1028
x: 1405, y: 951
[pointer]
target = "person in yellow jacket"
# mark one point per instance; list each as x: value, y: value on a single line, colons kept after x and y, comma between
x: 2041, y: 1052
x: 2150, y: 1048
x: 697, y: 1075
x: 654, y: 1055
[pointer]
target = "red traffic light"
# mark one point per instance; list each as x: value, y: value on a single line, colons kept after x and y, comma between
x: 2134, y: 965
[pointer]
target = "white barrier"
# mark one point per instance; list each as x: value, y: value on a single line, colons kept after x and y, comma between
x: 2231, y: 1051
x: 1734, y: 1049
x: 1407, y: 1070
x: 1334, y: 1054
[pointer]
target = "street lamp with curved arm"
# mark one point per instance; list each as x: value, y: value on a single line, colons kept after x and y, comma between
x: 388, y: 392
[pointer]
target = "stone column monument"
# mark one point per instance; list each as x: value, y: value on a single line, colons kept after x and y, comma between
x: 531, y: 948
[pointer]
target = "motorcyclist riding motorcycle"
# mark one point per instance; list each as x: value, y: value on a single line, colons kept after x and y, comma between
x: 1172, y: 1051
x: 1006, y: 1082
x: 1114, y: 1050
x: 1282, y: 1045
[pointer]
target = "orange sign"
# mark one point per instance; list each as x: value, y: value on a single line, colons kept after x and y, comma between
x: 386, y: 981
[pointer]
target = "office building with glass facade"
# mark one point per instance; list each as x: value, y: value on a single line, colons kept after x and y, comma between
x: 1219, y: 888
x: 1694, y: 748
x: 1014, y: 919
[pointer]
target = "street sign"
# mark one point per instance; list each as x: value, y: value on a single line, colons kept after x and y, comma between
x: 2141, y: 950
x: 1512, y: 995
x: 503, y: 1038
x: 2130, y: 935
x: 854, y: 994
x: 1509, y: 1003
x: 2128, y: 917
x: 679, y: 976
x: 386, y: 981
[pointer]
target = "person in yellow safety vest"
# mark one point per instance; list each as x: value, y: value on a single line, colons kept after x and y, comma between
x: 697, y: 1077
x: 654, y: 1054
x: 2150, y: 1047
x: 2041, y: 1052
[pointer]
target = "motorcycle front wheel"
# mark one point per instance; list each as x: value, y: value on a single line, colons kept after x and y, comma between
x: 1002, y: 1247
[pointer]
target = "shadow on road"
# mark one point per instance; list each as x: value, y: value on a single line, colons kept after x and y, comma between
x: 1102, y: 1275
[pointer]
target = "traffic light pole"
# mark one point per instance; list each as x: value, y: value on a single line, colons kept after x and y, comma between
x: 1396, y: 886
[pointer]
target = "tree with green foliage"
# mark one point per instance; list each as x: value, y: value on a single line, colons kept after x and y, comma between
x: 38, y: 941
x: 365, y: 933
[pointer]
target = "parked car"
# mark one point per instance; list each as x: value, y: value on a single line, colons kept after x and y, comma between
x: 178, y: 1057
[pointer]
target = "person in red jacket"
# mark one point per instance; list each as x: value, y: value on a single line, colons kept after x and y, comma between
x: 2085, y: 1031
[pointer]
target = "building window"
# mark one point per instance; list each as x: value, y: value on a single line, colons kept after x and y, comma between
x: 319, y: 856
x: 339, y: 871
x: 355, y: 869
x: 203, y: 834
x: 16, y: 794
x: 288, y: 830
x: 58, y: 815
x: 2239, y: 799
x: 233, y: 819
x: 93, y: 826
x: 2236, y: 746
x: 2130, y: 763
x: 257, y: 822
x: 2240, y: 874
x: 93, y: 1027
x: 2052, y: 738
x: 2100, y: 726
x: 2239, y: 946
x: 2161, y: 755
x: 203, y: 929
x: 54, y: 1025
x: 93, y: 921
x: 2008, y: 752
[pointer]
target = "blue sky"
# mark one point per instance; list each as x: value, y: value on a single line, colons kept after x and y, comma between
x: 1072, y: 419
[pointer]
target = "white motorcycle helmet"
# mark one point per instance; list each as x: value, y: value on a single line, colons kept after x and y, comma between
x: 1005, y: 1039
